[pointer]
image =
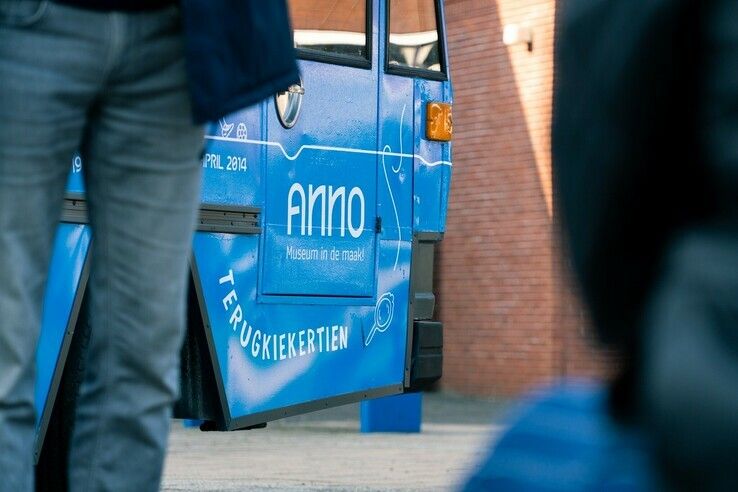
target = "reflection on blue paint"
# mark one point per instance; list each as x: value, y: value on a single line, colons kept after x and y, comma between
x: 273, y: 355
x: 70, y: 252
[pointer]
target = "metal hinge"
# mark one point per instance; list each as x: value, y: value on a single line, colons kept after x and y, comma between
x: 212, y: 218
x: 74, y: 209
x: 233, y: 220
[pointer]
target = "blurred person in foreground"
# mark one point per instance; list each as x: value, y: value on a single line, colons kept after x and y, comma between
x: 645, y: 148
x: 129, y: 83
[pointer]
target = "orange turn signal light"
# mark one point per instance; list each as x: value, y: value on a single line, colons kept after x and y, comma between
x: 438, y: 122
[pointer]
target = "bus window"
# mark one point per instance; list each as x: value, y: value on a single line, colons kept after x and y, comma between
x: 330, y: 27
x: 413, y: 36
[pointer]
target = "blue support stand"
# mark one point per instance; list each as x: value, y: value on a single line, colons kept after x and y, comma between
x: 399, y: 413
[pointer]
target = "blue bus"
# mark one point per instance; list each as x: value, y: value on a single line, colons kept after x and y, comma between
x: 312, y: 265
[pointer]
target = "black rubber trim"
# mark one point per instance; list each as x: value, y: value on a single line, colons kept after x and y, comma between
x: 427, y: 364
x: 333, y: 58
x: 418, y: 237
x: 198, y: 396
x: 416, y: 73
x: 429, y: 236
x: 208, y: 328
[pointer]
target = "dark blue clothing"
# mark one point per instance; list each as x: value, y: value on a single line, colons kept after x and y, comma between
x: 238, y: 53
x: 564, y: 440
x: 122, y: 5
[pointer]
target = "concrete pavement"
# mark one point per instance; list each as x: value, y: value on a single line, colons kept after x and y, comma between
x: 325, y: 451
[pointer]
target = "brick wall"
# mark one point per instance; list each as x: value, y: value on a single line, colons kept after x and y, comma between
x: 511, y: 319
x: 332, y: 15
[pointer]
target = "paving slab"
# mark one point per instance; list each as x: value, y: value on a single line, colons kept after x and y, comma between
x: 325, y: 451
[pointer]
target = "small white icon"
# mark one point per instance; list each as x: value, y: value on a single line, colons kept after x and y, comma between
x: 383, y: 313
x: 225, y: 128
x: 77, y: 164
x: 241, y: 132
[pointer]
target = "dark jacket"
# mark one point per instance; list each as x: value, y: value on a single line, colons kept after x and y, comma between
x: 238, y: 53
x: 645, y: 149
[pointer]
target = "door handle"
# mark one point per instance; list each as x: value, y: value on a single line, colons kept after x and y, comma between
x: 296, y: 89
x: 288, y: 104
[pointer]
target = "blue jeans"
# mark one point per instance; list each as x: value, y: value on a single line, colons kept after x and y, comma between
x: 114, y: 86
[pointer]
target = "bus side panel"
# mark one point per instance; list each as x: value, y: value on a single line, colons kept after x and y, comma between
x: 232, y: 160
x: 75, y: 182
x: 396, y: 166
x: 432, y: 164
x: 320, y: 215
x: 62, y: 295
x: 274, y: 356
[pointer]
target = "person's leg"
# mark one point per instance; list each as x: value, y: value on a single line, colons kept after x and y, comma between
x: 46, y: 80
x: 143, y: 177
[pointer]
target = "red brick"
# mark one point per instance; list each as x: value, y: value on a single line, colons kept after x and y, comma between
x: 511, y: 320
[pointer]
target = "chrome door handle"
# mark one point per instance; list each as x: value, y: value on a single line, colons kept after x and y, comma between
x: 296, y: 89
x: 288, y: 104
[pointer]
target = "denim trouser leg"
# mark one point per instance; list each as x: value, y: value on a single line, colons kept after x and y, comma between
x: 42, y: 112
x: 143, y: 178
x: 114, y: 84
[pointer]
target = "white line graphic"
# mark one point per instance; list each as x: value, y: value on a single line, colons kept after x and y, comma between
x: 385, y: 152
x: 386, y: 149
x: 328, y: 148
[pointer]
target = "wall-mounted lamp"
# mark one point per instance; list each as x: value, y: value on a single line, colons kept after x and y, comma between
x: 517, y: 34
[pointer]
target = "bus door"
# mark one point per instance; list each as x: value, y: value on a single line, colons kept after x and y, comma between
x: 415, y: 128
x: 415, y: 104
x: 299, y: 315
x: 321, y: 183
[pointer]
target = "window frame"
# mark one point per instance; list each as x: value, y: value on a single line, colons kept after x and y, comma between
x: 406, y: 71
x: 364, y: 62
